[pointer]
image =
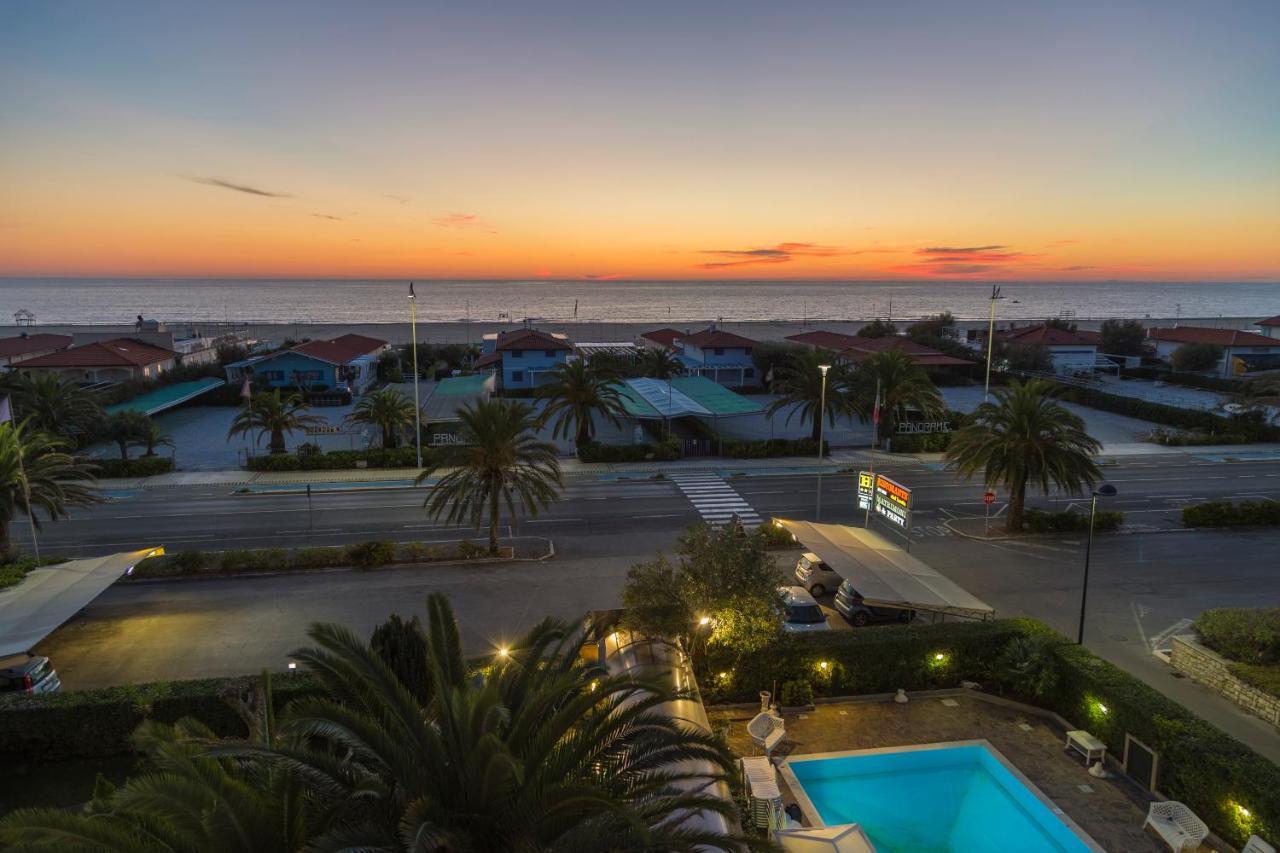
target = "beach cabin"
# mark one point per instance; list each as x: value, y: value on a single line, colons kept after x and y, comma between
x: 342, y: 368
x: 853, y: 349
x: 1270, y: 327
x: 1240, y: 350
x: 25, y: 346
x: 718, y: 355
x: 523, y: 359
x: 1072, y: 351
x: 103, y: 361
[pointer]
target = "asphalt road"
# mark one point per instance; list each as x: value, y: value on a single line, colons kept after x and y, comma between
x: 1145, y: 584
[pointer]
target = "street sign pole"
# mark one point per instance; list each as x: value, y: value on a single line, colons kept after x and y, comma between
x: 988, y: 498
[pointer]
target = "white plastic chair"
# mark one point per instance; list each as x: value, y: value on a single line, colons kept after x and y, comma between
x: 767, y: 731
x: 1257, y: 845
x: 1176, y: 825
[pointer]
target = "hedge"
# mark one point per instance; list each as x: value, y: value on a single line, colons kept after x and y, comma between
x: 361, y: 555
x: 95, y: 723
x: 1249, y: 635
x: 932, y: 442
x: 1260, y: 513
x: 399, y: 457
x: 768, y: 448
x: 594, y: 451
x: 1192, y: 438
x: 143, y: 466
x: 1070, y: 521
x: 1199, y: 764
x: 1248, y: 424
x: 1190, y: 380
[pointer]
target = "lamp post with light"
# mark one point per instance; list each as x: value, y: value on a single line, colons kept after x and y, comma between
x: 822, y: 422
x: 1104, y: 490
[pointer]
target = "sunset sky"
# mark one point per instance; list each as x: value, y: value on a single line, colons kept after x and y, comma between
x: 974, y: 140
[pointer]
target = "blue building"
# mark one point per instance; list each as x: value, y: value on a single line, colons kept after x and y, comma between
x: 522, y: 358
x: 720, y: 356
x: 343, y: 368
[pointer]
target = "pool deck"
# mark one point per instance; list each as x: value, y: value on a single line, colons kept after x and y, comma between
x: 1110, y: 810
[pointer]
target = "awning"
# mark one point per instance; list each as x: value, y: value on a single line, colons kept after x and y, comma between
x: 453, y: 393
x: 682, y: 396
x: 51, y: 595
x: 161, y: 399
x: 844, y: 838
x: 884, y: 572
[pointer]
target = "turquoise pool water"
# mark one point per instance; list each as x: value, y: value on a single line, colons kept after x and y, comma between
x: 945, y: 798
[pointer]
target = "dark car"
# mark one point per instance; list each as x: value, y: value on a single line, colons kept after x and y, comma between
x: 850, y: 605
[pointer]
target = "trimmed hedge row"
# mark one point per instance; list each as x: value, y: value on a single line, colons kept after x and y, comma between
x: 1250, y: 424
x: 768, y: 448
x: 1190, y: 380
x: 95, y: 723
x: 362, y: 555
x: 594, y: 451
x: 1248, y: 635
x: 1070, y: 521
x: 143, y: 466
x: 399, y: 457
x: 1191, y: 438
x: 1227, y: 514
x: 933, y: 442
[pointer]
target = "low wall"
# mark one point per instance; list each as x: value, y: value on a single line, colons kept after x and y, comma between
x: 1210, y: 669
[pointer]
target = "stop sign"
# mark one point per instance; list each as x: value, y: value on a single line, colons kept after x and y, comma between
x: 989, y: 498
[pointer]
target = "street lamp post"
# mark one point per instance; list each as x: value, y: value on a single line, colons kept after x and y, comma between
x: 991, y: 333
x: 822, y: 422
x: 1105, y: 490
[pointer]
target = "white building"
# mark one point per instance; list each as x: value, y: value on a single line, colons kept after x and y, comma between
x: 1240, y: 349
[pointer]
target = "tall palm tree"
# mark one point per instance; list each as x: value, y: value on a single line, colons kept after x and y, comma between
x: 125, y: 429
x: 497, y: 463
x: 191, y: 800
x: 154, y: 436
x: 538, y: 751
x: 1026, y: 436
x: 49, y: 403
x: 273, y: 414
x: 36, y: 472
x: 903, y: 385
x: 576, y: 393
x: 799, y: 382
x: 388, y: 410
x: 658, y: 363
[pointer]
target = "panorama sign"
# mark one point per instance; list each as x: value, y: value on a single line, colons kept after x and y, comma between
x: 886, y: 498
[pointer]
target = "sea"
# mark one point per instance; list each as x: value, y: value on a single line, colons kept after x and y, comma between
x: 54, y: 301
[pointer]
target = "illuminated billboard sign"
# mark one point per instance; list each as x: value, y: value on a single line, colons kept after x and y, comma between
x: 892, y: 501
x: 866, y: 489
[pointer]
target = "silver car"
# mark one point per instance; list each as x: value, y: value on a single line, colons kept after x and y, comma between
x: 815, y: 575
x: 28, y: 673
x: 801, y: 614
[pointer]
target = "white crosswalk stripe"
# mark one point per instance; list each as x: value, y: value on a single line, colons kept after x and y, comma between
x: 714, y: 499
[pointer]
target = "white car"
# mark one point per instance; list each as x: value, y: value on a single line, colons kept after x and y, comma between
x: 815, y: 575
x: 801, y: 614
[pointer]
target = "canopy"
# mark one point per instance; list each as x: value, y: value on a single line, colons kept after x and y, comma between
x: 883, y: 572
x: 681, y: 396
x: 843, y: 838
x: 453, y: 393
x: 161, y: 399
x: 51, y: 595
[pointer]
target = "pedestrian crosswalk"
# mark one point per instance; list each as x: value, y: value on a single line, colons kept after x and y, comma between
x: 714, y: 499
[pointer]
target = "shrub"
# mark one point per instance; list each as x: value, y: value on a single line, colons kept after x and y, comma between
x: 1243, y: 634
x: 1191, y: 438
x: 1252, y: 425
x: 775, y: 536
x: 1265, y: 678
x: 769, y: 448
x: 594, y: 451
x: 1196, y: 356
x: 309, y: 458
x: 796, y: 692
x: 1028, y: 666
x: 144, y: 466
x: 403, y: 648
x: 933, y: 442
x: 1190, y: 380
x: 468, y: 550
x: 372, y: 554
x: 1070, y: 521
x: 1224, y: 513
x: 317, y: 558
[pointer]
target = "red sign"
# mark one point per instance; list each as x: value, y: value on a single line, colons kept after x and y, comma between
x: 989, y: 498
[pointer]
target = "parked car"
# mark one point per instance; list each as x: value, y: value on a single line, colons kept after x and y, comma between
x: 815, y: 575
x: 801, y: 614
x: 28, y: 673
x: 850, y: 605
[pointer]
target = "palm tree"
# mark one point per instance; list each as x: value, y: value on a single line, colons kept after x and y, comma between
x: 37, y: 474
x: 538, y: 751
x: 154, y: 437
x: 49, y: 403
x: 1026, y: 436
x: 388, y: 410
x: 576, y: 393
x: 272, y: 414
x: 497, y: 463
x: 903, y: 385
x: 127, y: 428
x: 799, y: 382
x: 658, y: 363
x: 192, y: 800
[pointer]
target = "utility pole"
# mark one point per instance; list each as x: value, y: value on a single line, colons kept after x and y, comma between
x: 822, y: 422
x: 991, y: 334
x: 417, y: 406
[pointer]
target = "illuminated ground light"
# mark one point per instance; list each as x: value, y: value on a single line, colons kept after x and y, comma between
x: 503, y: 651
x: 724, y: 676
x: 939, y: 657
x: 1102, y: 709
x: 704, y: 621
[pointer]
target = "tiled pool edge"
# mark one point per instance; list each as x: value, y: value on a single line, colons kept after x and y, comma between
x: 811, y: 813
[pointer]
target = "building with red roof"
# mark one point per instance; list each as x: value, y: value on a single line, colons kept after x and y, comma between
x: 1072, y: 351
x: 1270, y: 327
x: 853, y: 348
x: 523, y: 358
x: 719, y: 355
x: 1240, y: 349
x: 340, y: 368
x: 103, y: 361
x: 27, y: 346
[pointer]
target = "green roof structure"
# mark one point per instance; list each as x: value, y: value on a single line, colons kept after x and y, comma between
x: 682, y: 396
x: 161, y: 399
x: 453, y: 393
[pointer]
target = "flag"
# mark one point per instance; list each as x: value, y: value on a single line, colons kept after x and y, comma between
x: 411, y: 290
x: 875, y: 411
x: 6, y: 411
x: 245, y: 390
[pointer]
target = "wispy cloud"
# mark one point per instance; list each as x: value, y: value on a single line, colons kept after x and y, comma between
x: 329, y: 216
x: 237, y: 187
x: 779, y: 254
x: 1052, y: 243
x: 964, y: 260
x: 464, y: 222
x: 610, y: 276
x: 1077, y: 268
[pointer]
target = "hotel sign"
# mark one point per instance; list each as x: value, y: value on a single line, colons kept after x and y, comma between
x: 923, y: 427
x: 887, y: 498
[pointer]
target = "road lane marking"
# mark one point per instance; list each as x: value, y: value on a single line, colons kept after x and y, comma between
x: 714, y: 499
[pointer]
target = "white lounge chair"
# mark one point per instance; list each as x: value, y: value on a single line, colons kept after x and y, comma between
x: 767, y: 731
x: 1257, y: 845
x: 1176, y: 825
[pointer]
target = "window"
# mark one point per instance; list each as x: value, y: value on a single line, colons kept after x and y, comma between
x: 517, y: 353
x: 550, y: 353
x: 719, y: 350
x: 274, y: 375
x: 517, y: 376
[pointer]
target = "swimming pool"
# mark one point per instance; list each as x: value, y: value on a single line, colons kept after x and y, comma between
x: 962, y: 795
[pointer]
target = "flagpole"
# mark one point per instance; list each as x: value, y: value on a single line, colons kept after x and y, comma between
x: 417, y: 406
x: 875, y: 440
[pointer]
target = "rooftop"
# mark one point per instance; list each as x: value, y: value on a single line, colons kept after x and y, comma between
x: 713, y: 337
x: 1046, y: 335
x: 532, y: 339
x: 855, y: 348
x: 40, y: 342
x: 121, y: 352
x: 1221, y: 337
x: 1270, y: 321
x: 341, y: 349
x: 665, y: 337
